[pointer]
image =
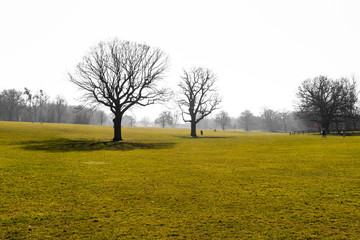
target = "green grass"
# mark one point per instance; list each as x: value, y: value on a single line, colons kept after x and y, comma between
x: 69, y: 182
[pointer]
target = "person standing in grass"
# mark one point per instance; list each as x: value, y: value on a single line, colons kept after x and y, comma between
x: 343, y: 132
x: 323, y: 132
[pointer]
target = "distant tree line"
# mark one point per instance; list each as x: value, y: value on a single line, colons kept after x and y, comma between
x: 268, y: 120
x: 323, y: 104
x: 37, y: 106
x: 120, y: 75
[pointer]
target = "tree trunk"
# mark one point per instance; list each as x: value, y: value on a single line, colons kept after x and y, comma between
x: 117, y: 128
x: 35, y: 113
x: 10, y: 115
x: 193, y: 129
x: 326, y: 125
x: 59, y: 117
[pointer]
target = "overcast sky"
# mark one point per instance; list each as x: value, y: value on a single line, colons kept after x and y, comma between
x: 260, y: 50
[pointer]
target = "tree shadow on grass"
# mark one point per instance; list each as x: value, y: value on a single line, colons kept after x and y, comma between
x: 70, y: 145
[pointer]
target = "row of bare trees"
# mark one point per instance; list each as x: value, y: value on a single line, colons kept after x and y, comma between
x: 268, y: 120
x: 36, y: 106
x: 121, y: 75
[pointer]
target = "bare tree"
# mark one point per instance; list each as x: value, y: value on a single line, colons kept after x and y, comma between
x: 42, y: 102
x: 12, y: 102
x: 120, y: 75
x: 82, y: 115
x: 36, y: 103
x: 165, y: 118
x: 30, y: 103
x: 246, y: 118
x: 269, y: 116
x: 145, y: 122
x: 284, y: 116
x: 354, y: 117
x: 223, y: 119
x: 60, y: 106
x: 2, y: 107
x: 323, y: 100
x: 176, y: 116
x: 199, y: 96
x: 102, y: 117
x: 129, y: 120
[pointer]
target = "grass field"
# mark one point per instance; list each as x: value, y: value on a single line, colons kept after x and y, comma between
x: 65, y: 181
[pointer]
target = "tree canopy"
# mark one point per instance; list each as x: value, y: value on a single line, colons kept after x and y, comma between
x: 323, y: 100
x: 119, y: 75
x: 199, y: 96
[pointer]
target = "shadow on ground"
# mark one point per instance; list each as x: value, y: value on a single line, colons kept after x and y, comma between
x: 199, y: 137
x: 70, y: 145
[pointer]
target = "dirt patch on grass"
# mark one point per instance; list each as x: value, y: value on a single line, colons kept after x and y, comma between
x: 95, y: 163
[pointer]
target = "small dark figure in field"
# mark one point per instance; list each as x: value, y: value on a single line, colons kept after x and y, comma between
x: 344, y: 132
x: 290, y: 133
x: 201, y: 132
x: 323, y: 132
x: 215, y: 130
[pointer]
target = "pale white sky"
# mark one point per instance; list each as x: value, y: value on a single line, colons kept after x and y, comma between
x: 260, y: 50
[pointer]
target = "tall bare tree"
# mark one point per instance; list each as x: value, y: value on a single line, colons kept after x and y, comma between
x: 60, y: 107
x: 176, y: 117
x: 269, y: 117
x: 165, y: 118
x: 284, y: 116
x: 129, y: 120
x: 120, y: 75
x: 36, y: 103
x: 354, y: 117
x: 102, y: 117
x: 246, y: 118
x: 324, y: 100
x: 145, y: 122
x: 199, y: 96
x: 82, y: 115
x: 12, y: 102
x: 223, y: 119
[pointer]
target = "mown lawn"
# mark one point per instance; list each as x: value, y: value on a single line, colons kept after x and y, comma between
x: 68, y: 182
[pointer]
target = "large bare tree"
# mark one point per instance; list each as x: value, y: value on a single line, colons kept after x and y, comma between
x: 60, y: 107
x: 12, y: 102
x: 284, y: 116
x: 199, y: 96
x: 269, y: 117
x: 223, y: 119
x: 246, y: 118
x: 121, y: 74
x: 129, y: 120
x: 36, y: 103
x: 324, y: 100
x: 165, y: 118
